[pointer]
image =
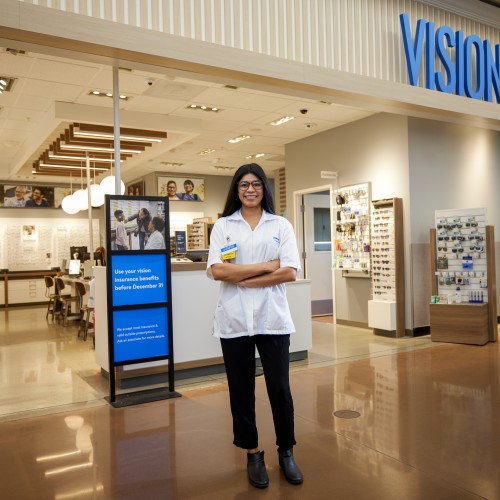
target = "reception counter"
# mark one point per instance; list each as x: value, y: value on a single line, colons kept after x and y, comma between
x: 194, y: 298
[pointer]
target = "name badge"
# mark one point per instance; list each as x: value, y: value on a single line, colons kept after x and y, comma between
x: 229, y: 251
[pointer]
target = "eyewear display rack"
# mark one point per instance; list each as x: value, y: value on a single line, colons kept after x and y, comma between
x: 463, y: 305
x: 386, y: 310
x: 198, y: 233
x: 352, y: 230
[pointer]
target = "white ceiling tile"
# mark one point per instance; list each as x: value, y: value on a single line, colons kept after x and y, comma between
x: 62, y: 72
x: 44, y: 79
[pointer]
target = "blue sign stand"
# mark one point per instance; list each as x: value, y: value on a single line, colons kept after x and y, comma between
x: 139, y: 291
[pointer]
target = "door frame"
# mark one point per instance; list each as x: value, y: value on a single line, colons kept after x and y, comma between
x: 300, y: 229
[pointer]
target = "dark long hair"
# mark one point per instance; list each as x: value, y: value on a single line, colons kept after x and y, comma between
x: 147, y: 219
x: 233, y: 202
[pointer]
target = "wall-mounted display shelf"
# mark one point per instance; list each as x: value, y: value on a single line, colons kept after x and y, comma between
x: 198, y: 233
x: 352, y: 230
x: 386, y: 310
x: 463, y: 277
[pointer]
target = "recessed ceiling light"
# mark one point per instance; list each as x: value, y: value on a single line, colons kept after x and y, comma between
x: 204, y: 107
x: 98, y: 93
x: 257, y: 155
x: 206, y: 152
x: 6, y: 83
x: 280, y: 121
x: 238, y: 139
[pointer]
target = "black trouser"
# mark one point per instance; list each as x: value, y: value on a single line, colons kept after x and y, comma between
x: 239, y: 359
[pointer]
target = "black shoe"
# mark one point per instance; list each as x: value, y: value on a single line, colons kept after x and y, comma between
x: 290, y: 468
x: 257, y: 473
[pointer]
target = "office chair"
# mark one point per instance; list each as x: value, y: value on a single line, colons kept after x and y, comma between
x: 49, y: 285
x: 67, y: 300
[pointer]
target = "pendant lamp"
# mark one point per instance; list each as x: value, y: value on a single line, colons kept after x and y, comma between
x: 68, y: 203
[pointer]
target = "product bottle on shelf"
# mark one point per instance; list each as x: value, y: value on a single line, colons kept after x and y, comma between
x: 458, y: 295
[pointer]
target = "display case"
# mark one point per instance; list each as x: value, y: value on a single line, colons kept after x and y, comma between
x: 386, y: 310
x: 352, y: 230
x: 198, y: 234
x: 463, y: 278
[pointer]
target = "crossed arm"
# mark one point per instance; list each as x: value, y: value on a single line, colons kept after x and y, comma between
x: 256, y: 275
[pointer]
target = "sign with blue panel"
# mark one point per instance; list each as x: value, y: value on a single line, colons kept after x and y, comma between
x: 140, y: 333
x: 139, y: 279
x: 139, y: 290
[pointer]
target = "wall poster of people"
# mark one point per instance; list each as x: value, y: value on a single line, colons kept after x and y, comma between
x: 137, y: 224
x: 136, y: 188
x: 182, y: 188
x: 32, y: 196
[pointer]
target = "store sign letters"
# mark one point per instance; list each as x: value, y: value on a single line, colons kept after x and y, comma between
x: 470, y: 66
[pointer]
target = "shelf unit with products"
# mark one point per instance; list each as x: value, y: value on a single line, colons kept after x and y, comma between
x: 463, y: 278
x: 352, y: 230
x: 198, y: 233
x: 386, y: 310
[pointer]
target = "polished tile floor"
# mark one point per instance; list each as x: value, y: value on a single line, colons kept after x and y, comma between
x: 428, y: 424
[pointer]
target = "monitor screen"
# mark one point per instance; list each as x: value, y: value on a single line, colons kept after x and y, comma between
x: 88, y: 268
x: 77, y: 252
x: 98, y: 258
x: 64, y: 265
x: 74, y: 267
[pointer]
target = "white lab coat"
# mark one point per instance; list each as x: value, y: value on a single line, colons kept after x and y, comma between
x: 253, y: 311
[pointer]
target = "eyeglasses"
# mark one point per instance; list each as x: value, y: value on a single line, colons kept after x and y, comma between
x: 244, y: 185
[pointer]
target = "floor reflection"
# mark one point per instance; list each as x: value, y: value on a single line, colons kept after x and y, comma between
x: 428, y: 425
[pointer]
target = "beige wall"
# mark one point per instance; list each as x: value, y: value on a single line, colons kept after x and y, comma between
x: 431, y: 165
x: 373, y: 150
x: 451, y: 166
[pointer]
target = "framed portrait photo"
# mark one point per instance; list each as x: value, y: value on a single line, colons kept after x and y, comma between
x: 181, y: 188
x: 135, y: 189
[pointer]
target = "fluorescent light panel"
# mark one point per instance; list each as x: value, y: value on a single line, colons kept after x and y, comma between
x: 77, y: 133
x: 281, y: 120
x: 81, y: 158
x: 95, y: 148
x: 240, y: 138
x: 71, y: 167
x: 204, y: 108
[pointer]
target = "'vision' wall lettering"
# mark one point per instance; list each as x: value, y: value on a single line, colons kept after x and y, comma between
x: 470, y: 68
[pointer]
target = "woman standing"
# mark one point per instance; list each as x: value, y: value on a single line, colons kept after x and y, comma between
x: 253, y: 253
x: 143, y: 219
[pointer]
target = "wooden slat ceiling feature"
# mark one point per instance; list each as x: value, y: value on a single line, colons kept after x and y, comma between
x: 68, y: 153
